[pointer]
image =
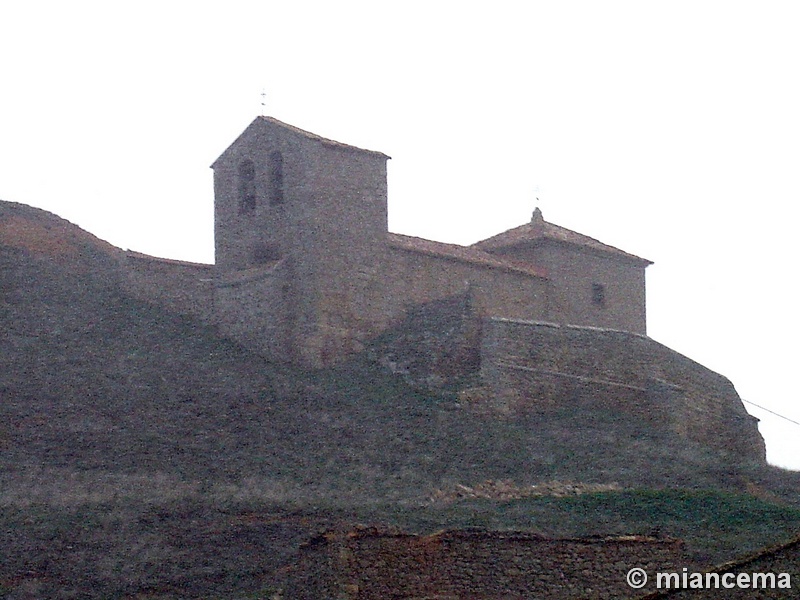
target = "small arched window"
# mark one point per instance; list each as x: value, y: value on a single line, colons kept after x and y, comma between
x: 599, y: 295
x: 247, y: 186
x: 275, y: 178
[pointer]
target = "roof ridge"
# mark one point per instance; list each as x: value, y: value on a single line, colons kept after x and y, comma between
x: 317, y: 137
x: 463, y: 253
x: 539, y: 229
x: 261, y: 119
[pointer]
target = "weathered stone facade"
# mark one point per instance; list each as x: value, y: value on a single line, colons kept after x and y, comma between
x: 368, y: 563
x: 539, y: 366
x: 179, y: 286
x: 591, y: 283
x: 307, y: 272
x: 312, y: 213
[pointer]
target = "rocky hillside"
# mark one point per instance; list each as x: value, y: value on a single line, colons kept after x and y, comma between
x: 122, y: 425
x: 95, y: 381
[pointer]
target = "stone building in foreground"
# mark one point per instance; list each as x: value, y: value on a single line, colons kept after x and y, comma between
x: 493, y: 565
x: 367, y: 563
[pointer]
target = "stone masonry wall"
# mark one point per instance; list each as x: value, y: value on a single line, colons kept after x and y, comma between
x: 181, y: 287
x: 329, y: 226
x: 412, y: 278
x: 369, y: 564
x: 543, y: 365
x: 780, y: 566
x: 254, y: 307
x: 574, y: 271
x: 435, y: 346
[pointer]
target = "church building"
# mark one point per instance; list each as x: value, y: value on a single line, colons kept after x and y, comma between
x: 307, y: 270
x: 308, y: 273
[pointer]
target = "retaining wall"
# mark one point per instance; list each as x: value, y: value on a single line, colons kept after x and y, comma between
x: 544, y: 365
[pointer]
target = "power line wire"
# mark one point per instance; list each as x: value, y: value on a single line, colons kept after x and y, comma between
x: 771, y: 412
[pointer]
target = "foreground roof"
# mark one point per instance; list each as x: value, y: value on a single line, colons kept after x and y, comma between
x: 539, y: 230
x: 788, y: 551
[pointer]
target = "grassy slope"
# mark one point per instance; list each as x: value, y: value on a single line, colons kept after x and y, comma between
x: 207, y: 546
x: 141, y: 452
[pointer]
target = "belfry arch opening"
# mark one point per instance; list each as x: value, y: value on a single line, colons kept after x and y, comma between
x: 247, y: 186
x: 275, y: 178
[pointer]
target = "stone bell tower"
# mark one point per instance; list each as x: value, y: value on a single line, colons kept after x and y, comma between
x: 300, y: 230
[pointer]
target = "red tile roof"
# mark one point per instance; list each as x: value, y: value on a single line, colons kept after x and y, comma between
x: 466, y: 254
x: 539, y: 230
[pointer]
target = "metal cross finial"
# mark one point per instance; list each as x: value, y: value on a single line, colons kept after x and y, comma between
x: 263, y: 103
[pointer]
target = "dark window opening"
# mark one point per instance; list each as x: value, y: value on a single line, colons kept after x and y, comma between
x: 275, y: 178
x: 247, y: 186
x: 598, y: 294
x: 266, y: 253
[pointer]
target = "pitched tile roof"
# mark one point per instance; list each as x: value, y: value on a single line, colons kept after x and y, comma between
x: 465, y: 254
x: 319, y: 138
x: 262, y: 120
x: 539, y: 230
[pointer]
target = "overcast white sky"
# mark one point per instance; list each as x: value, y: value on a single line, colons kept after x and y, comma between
x: 671, y: 130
